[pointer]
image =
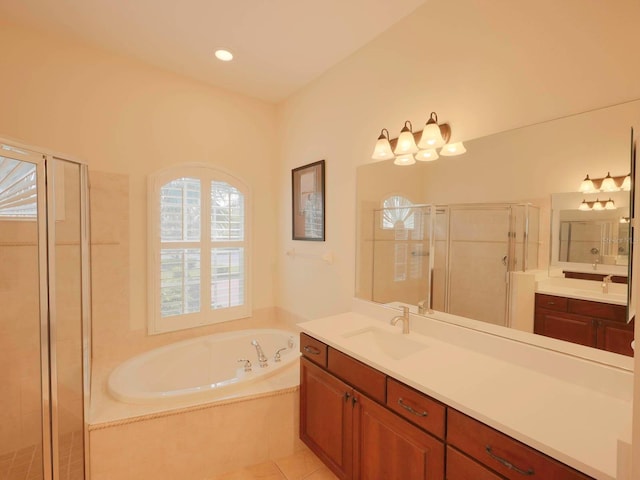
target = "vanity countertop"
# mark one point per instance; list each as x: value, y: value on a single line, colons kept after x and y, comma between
x: 583, y: 290
x: 567, y: 421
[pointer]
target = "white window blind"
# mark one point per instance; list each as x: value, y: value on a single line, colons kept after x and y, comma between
x: 18, y: 189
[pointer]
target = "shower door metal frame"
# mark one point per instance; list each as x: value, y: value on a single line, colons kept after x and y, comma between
x: 45, y: 177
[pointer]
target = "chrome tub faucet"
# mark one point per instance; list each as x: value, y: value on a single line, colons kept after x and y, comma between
x: 262, y: 358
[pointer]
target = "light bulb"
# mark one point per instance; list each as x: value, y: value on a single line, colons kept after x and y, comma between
x: 406, y: 143
x: 431, y: 134
x: 382, y: 150
x: 626, y: 183
x: 587, y: 185
x: 608, y: 184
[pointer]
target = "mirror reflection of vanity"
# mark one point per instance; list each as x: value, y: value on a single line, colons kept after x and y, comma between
x: 476, y: 228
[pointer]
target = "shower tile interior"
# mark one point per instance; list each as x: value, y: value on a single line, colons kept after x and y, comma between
x: 26, y: 463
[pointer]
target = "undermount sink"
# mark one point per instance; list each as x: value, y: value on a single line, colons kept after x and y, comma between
x: 394, y: 345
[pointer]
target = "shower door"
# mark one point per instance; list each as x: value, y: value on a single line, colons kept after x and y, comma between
x: 480, y: 255
x: 44, y: 315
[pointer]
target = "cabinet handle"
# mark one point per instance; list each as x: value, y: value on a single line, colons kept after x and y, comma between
x: 551, y: 303
x: 507, y: 463
x: 312, y: 350
x: 353, y: 400
x: 411, y: 410
x: 346, y: 396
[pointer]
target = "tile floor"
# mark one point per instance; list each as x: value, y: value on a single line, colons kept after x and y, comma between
x: 302, y: 465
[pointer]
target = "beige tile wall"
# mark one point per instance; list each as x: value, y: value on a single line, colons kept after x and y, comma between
x: 198, y: 443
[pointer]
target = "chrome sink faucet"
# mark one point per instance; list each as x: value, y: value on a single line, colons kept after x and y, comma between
x: 405, y: 319
x: 262, y: 358
x: 605, y: 283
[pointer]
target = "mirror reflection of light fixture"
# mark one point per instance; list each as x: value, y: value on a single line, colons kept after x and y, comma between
x: 597, y: 205
x: 433, y: 136
x: 606, y: 184
x: 586, y: 206
x: 427, y: 155
x: 404, y: 160
x: 406, y: 143
x: 382, y: 150
x: 452, y: 149
x: 625, y: 220
x: 587, y: 185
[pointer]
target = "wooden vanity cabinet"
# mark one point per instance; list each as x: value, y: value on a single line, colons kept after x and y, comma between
x: 594, y: 324
x: 353, y: 433
x: 326, y: 418
x: 394, y: 432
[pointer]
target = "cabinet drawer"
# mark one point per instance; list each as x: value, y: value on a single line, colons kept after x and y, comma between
x: 358, y: 375
x: 416, y: 407
x: 461, y: 467
x: 507, y: 456
x: 313, y: 349
x: 551, y: 302
x: 606, y: 311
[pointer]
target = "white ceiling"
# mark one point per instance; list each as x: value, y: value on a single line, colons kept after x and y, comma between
x: 279, y: 45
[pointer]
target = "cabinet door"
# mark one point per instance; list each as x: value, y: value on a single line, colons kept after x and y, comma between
x: 566, y: 326
x: 388, y: 447
x: 326, y: 414
x: 615, y: 337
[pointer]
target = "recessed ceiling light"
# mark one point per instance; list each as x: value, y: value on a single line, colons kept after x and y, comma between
x: 224, y: 55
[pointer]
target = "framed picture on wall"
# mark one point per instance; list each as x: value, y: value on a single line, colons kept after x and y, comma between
x: 308, y: 202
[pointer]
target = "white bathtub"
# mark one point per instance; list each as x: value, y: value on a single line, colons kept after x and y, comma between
x: 203, y: 368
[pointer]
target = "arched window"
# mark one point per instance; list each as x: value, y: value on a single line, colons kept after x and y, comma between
x: 199, y: 255
x: 397, y: 209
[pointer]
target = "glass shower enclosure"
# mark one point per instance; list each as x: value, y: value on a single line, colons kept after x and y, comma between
x: 44, y: 315
x: 456, y: 259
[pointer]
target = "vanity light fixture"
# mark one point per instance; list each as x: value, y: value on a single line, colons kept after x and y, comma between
x: 606, y: 184
x: 382, y: 150
x: 433, y: 136
x: 597, y: 205
x: 610, y: 205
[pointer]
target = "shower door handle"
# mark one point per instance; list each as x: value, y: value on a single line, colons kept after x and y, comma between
x: 505, y: 260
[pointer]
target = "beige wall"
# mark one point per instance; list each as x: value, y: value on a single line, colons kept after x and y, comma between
x: 494, y: 66
x: 128, y: 119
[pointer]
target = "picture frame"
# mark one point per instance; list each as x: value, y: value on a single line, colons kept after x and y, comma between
x: 308, y: 202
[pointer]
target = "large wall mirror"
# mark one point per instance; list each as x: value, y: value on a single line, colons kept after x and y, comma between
x: 500, y: 232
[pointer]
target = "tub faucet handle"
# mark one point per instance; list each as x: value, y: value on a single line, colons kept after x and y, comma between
x: 247, y: 364
x: 277, y: 357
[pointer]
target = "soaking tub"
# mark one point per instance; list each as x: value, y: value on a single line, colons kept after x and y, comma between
x: 203, y: 368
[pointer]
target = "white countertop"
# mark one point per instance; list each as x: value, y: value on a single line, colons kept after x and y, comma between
x: 583, y: 290
x: 570, y: 422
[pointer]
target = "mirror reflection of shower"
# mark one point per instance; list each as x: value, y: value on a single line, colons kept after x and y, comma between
x: 451, y: 258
